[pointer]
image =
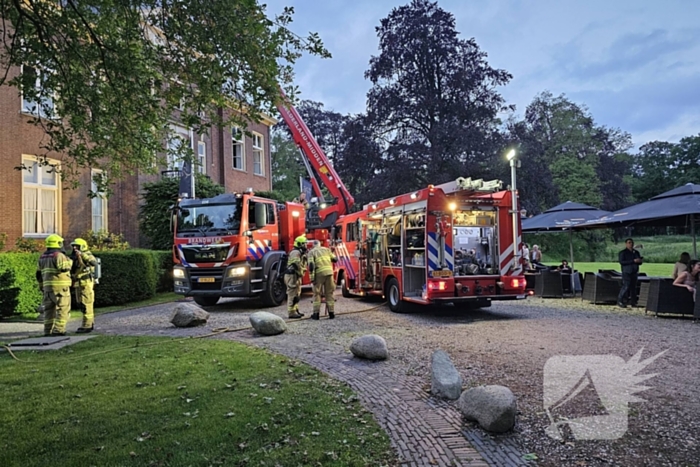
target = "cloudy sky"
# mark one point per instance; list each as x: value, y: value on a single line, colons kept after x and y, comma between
x: 634, y: 63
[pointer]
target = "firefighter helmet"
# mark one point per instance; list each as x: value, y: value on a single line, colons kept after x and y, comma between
x: 300, y: 241
x: 54, y: 241
x: 81, y: 243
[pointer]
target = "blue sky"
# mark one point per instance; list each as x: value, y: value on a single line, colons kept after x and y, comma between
x: 635, y: 64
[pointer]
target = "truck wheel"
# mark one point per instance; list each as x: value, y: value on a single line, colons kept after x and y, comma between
x: 344, y: 287
x: 393, y: 295
x: 275, y: 292
x: 206, y: 300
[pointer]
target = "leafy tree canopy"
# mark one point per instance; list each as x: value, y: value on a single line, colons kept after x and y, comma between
x: 433, y: 101
x: 110, y: 75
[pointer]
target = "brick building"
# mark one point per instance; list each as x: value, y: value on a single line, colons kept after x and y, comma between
x: 36, y: 204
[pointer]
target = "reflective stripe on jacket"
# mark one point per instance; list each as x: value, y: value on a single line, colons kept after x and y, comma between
x: 322, y: 259
x: 55, y: 269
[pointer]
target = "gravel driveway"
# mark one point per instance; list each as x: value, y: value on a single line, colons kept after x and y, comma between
x: 509, y: 344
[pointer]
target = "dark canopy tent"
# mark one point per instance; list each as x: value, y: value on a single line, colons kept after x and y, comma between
x: 677, y: 207
x: 561, y: 218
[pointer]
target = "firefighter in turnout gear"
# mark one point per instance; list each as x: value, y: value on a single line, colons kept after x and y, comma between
x: 83, y: 276
x: 296, y: 267
x: 53, y: 275
x: 321, y: 261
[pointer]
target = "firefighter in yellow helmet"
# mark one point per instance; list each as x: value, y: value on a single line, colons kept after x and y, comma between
x: 54, y: 279
x: 321, y: 261
x: 83, y: 276
x: 296, y: 268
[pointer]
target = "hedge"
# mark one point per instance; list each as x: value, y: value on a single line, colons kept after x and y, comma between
x: 19, y: 289
x: 127, y: 276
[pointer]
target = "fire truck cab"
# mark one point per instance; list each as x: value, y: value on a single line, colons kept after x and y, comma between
x: 233, y: 245
x: 451, y: 243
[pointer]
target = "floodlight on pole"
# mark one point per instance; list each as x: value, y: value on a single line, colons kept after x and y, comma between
x: 514, y: 210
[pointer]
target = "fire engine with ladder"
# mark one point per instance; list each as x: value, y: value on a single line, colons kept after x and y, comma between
x: 235, y: 244
x: 451, y: 243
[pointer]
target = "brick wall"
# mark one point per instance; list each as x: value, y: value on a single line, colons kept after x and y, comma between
x: 18, y: 137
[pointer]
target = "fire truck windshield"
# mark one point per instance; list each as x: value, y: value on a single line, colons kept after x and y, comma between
x: 210, y: 219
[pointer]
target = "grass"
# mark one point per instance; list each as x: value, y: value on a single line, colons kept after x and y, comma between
x: 658, y: 249
x: 651, y: 269
x: 156, y: 401
x: 164, y: 297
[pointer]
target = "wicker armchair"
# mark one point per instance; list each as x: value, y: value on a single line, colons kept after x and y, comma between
x: 664, y: 297
x: 600, y: 288
x: 549, y: 285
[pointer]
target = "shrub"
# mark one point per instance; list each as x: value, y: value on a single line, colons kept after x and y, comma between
x: 19, y: 289
x: 3, y: 241
x: 127, y: 276
x: 164, y: 269
x: 28, y: 245
x: 105, y: 241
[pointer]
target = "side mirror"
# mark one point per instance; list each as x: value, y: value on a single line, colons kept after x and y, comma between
x: 260, y: 215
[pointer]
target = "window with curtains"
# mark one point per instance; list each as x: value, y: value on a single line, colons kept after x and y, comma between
x: 238, y: 142
x: 258, y: 155
x: 39, y: 198
x: 179, y: 138
x: 202, y: 157
x: 99, y: 206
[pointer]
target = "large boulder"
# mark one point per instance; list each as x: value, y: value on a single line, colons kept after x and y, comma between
x: 186, y: 315
x: 493, y: 407
x: 446, y: 380
x: 267, y: 324
x: 370, y: 347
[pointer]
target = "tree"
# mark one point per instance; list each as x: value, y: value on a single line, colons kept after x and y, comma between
x: 287, y: 166
x: 159, y: 198
x: 433, y: 100
x: 108, y: 76
x: 584, y: 161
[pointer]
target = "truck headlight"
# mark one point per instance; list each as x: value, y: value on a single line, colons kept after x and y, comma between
x: 236, y: 272
x: 178, y: 273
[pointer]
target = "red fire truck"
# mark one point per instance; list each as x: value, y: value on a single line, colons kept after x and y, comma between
x: 451, y: 243
x: 235, y: 245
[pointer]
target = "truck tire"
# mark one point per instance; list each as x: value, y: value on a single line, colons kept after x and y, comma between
x: 393, y: 296
x: 344, y: 287
x: 206, y: 300
x: 275, y: 292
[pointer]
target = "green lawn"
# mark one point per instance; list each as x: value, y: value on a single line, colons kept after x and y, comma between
x: 154, y: 401
x: 651, y: 269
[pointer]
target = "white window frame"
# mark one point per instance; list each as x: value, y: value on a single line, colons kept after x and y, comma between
x: 39, y: 231
x: 184, y: 133
x: 37, y: 108
x: 258, y: 154
x: 237, y: 145
x: 202, y: 157
x: 99, y: 201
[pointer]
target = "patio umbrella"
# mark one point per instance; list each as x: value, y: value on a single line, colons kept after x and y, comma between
x: 677, y: 207
x: 561, y: 218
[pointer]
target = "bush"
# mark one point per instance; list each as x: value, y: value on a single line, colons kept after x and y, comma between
x: 127, y: 276
x: 19, y: 289
x: 3, y: 241
x: 164, y: 269
x: 104, y: 241
x: 28, y: 245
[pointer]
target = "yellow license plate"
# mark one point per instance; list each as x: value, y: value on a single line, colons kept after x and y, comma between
x: 442, y: 273
x: 206, y: 279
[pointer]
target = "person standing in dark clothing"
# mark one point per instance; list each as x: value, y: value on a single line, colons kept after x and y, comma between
x: 629, y: 259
